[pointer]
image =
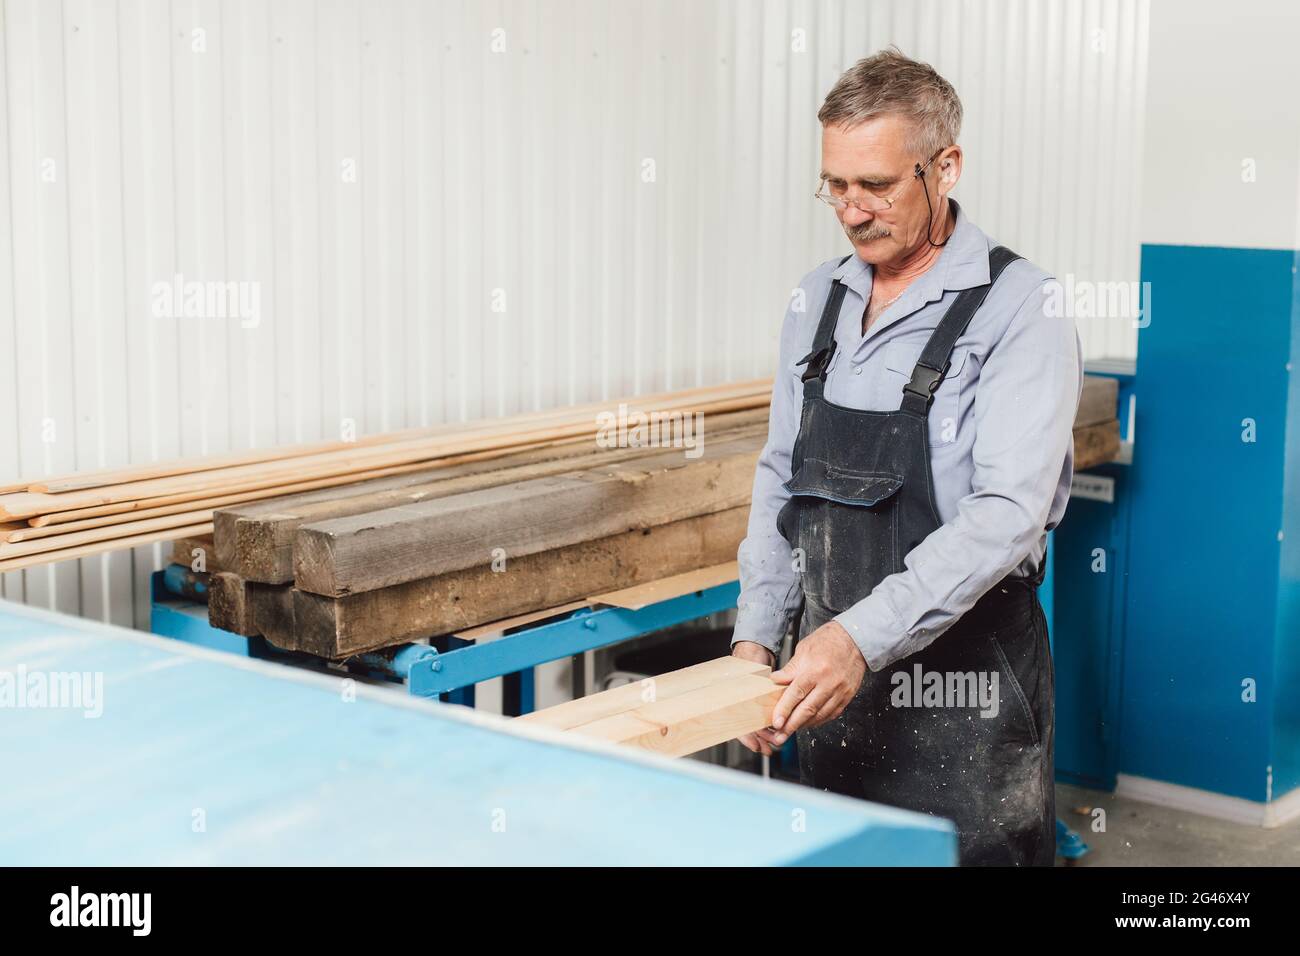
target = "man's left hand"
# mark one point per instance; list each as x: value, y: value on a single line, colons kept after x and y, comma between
x: 821, y: 678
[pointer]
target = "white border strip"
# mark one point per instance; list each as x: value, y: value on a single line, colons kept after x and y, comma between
x: 1269, y: 815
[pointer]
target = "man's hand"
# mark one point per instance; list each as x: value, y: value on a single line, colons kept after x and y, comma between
x: 823, y: 675
x: 749, y: 651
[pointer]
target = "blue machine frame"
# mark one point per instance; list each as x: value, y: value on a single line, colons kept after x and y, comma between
x: 451, y: 674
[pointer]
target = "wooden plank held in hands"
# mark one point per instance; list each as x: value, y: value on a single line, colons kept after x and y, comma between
x: 687, y: 710
x: 620, y: 700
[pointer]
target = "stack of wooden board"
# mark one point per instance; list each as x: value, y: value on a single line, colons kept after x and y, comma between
x: 674, y: 714
x: 339, y: 572
x: 406, y: 537
x: 74, y: 516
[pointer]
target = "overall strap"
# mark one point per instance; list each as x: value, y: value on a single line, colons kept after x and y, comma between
x: 933, y: 364
x: 823, y: 345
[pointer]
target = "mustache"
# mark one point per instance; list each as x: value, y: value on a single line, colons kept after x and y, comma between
x: 866, y: 231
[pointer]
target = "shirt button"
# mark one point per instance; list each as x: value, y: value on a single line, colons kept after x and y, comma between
x: 857, y: 370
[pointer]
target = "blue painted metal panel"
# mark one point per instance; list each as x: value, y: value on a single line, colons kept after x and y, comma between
x: 1202, y: 600
x: 209, y: 759
x: 174, y: 581
x: 1087, y: 622
x: 184, y: 620
x: 1089, y: 633
x: 1285, y: 748
x: 584, y: 630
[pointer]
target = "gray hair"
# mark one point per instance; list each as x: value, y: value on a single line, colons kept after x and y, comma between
x: 889, y: 82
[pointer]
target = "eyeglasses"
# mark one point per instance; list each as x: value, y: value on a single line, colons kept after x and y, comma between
x: 871, y: 202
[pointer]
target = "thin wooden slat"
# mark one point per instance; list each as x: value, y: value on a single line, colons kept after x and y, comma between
x: 85, y: 481
x: 82, y: 481
x: 27, y: 531
x: 519, y: 620
x: 272, y: 475
x: 110, y: 534
x: 86, y: 550
x: 252, y: 477
x: 643, y: 595
x: 169, y: 504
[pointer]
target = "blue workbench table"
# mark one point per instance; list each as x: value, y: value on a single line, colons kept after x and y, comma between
x: 199, y: 757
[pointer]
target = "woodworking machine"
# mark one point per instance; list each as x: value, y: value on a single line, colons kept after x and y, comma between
x: 190, y: 756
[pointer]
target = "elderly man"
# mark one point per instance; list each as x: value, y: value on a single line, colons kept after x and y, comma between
x: 919, y: 450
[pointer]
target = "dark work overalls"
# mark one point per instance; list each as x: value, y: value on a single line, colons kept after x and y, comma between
x: 861, y: 499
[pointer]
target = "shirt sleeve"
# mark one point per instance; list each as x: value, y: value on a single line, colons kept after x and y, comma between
x: 769, y: 584
x: 1025, y: 403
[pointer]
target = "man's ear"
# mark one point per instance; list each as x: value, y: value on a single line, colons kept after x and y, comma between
x: 949, y: 169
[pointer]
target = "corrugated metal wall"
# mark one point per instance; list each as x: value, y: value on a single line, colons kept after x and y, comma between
x: 456, y: 209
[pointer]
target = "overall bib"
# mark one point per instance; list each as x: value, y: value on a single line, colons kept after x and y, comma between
x: 963, y: 728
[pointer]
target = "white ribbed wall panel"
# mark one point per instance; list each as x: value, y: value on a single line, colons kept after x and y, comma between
x: 480, y: 176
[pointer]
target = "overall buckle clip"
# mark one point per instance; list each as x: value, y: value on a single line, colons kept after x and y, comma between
x: 925, y: 380
x: 817, y: 362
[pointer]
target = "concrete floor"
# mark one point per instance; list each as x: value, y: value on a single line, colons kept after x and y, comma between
x: 1142, y: 834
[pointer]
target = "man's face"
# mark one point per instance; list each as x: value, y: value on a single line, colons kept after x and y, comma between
x: 873, y: 159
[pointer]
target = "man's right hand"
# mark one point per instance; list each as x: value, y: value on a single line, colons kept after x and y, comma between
x: 749, y: 651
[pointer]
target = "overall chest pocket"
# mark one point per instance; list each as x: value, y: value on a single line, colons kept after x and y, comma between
x: 844, y: 527
x: 900, y: 360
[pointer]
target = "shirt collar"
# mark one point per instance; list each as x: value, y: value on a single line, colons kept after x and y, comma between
x: 963, y: 264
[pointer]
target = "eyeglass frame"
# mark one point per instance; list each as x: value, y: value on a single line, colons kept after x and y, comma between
x: 836, y: 203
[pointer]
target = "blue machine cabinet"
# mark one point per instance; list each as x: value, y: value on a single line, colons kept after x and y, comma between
x: 1085, y: 599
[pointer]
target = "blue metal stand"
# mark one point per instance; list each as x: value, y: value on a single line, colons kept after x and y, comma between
x: 583, y: 630
x: 450, y: 670
x: 174, y: 616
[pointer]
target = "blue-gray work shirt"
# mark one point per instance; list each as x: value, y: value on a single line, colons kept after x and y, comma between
x: 1001, y: 442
